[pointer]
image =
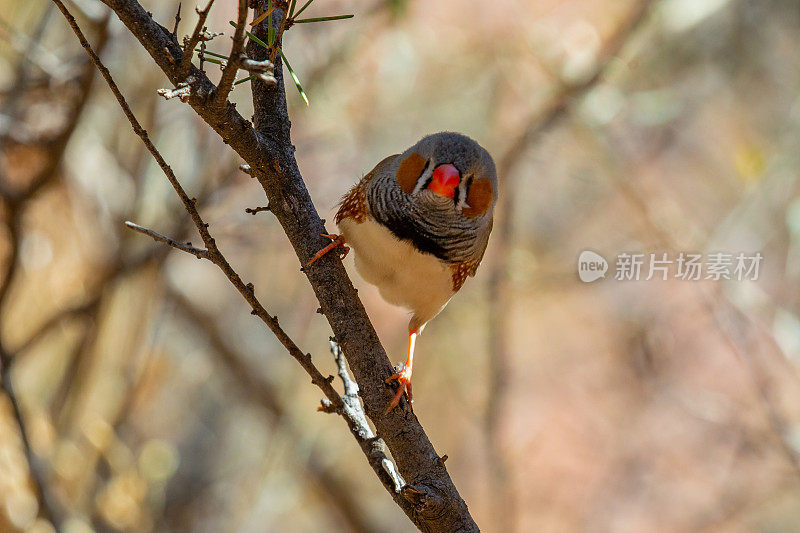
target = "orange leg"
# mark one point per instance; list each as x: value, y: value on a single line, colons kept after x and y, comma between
x: 337, y: 241
x: 403, y: 377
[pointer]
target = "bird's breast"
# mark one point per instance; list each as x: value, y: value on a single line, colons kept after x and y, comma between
x: 404, y: 275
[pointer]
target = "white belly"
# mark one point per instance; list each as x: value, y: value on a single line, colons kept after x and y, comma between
x: 403, y: 275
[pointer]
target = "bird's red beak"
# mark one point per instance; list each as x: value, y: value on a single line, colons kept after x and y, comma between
x: 445, y: 180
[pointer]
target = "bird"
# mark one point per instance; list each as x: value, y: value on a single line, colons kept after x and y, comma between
x: 418, y: 224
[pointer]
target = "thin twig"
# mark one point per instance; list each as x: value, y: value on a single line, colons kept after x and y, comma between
x: 188, y: 49
x: 255, y: 210
x: 234, y: 59
x: 177, y: 21
x: 262, y: 16
x: 184, y: 247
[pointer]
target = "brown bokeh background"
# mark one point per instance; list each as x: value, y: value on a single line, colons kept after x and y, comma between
x: 155, y: 402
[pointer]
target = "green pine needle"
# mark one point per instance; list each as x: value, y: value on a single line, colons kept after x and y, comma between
x: 253, y: 37
x: 303, y: 8
x: 323, y: 19
x: 295, y: 78
x: 212, y: 54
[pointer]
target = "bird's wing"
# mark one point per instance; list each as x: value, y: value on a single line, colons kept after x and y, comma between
x: 354, y: 203
x: 481, y: 248
x: 460, y: 271
x: 382, y: 166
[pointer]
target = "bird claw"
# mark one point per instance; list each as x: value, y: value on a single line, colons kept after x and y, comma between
x: 337, y: 241
x: 403, y: 379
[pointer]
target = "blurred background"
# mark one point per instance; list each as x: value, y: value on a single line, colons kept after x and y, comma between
x: 153, y: 401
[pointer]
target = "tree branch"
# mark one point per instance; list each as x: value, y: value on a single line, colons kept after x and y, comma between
x: 431, y: 501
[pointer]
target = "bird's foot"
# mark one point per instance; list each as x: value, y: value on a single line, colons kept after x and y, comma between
x: 337, y: 241
x: 403, y: 379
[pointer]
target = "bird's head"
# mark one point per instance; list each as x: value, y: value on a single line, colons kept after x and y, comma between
x: 439, y: 194
x: 449, y: 172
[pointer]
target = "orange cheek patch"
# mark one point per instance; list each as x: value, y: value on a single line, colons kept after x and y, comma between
x: 409, y: 172
x: 479, y: 198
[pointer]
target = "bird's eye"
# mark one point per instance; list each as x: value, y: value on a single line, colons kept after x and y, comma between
x: 411, y: 171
